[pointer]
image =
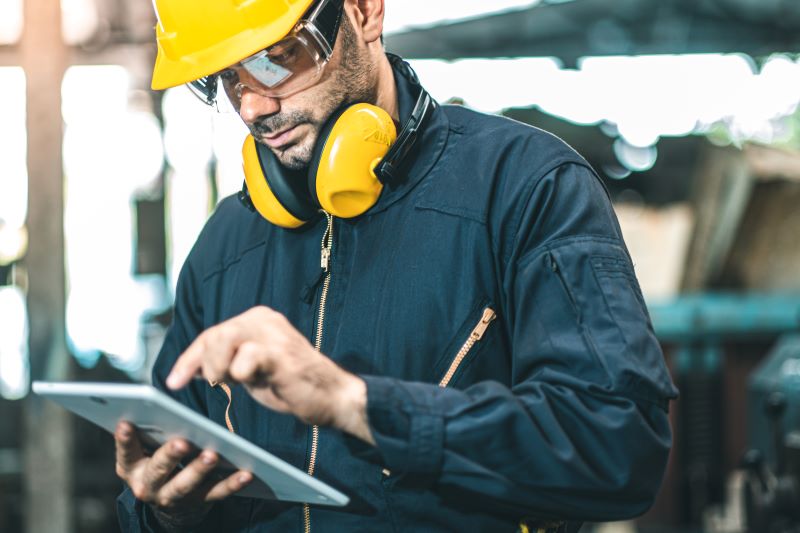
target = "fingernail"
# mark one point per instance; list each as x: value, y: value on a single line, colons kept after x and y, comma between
x: 244, y: 478
x: 207, y: 458
x: 177, y: 446
x: 173, y: 380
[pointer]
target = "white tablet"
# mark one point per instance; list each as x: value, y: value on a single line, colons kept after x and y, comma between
x: 160, y: 418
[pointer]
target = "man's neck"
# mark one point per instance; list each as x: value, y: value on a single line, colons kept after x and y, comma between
x: 387, y: 90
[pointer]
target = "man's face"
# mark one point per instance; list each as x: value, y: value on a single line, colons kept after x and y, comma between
x: 290, y: 125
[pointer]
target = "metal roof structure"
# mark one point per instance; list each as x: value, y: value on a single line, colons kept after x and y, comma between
x: 570, y: 30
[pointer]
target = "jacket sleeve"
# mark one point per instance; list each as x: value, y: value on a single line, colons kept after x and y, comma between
x: 582, y: 431
x: 133, y: 515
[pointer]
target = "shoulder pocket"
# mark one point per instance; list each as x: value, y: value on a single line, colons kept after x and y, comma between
x: 639, y: 367
x: 609, y: 339
x: 623, y: 298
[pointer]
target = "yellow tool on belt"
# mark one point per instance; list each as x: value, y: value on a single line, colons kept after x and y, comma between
x: 527, y: 525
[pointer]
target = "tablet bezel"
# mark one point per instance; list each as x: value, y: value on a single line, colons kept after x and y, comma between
x: 105, y: 404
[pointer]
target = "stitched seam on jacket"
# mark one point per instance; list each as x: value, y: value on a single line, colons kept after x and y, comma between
x: 536, y: 253
x: 225, y: 266
x: 534, y: 183
x: 460, y: 213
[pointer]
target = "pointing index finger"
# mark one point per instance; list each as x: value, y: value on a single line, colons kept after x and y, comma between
x: 187, y: 366
x: 210, y: 354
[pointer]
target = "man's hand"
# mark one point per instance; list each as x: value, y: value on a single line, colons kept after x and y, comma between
x: 187, y: 494
x: 279, y: 368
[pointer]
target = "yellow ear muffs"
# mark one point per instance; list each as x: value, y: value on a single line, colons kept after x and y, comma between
x: 342, y: 172
x: 341, y: 178
x: 277, y: 194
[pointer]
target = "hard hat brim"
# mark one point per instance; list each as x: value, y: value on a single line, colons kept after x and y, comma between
x: 173, y: 68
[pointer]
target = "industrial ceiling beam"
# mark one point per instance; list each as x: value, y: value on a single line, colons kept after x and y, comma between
x: 592, y: 28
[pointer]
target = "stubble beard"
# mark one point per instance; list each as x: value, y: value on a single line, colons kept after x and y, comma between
x: 352, y: 82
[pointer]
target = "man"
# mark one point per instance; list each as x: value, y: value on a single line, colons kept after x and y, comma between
x: 472, y: 353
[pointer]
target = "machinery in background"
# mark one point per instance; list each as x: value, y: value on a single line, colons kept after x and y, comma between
x: 704, y: 332
x: 771, y: 487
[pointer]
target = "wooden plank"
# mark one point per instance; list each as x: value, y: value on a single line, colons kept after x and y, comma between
x: 47, y: 428
x: 723, y: 185
x: 115, y: 54
x: 136, y: 58
x: 766, y: 253
x: 125, y: 54
x: 748, y: 209
x: 770, y: 163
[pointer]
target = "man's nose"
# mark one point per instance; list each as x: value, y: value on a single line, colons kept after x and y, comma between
x: 254, y: 105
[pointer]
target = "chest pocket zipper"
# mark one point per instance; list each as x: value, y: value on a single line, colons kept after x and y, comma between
x: 475, y: 335
x: 227, y: 390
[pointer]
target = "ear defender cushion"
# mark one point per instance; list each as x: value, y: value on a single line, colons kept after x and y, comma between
x: 342, y: 172
x: 278, y: 194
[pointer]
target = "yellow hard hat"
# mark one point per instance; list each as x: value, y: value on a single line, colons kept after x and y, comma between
x: 197, y: 38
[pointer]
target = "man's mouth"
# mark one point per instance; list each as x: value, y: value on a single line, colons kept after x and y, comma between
x: 280, y: 138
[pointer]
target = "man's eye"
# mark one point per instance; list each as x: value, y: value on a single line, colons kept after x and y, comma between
x: 284, y: 56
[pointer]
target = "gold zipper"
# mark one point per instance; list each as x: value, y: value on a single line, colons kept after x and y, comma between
x: 477, y: 334
x: 325, y: 259
x: 224, y: 386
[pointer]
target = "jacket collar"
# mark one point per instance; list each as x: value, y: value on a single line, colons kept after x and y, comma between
x: 429, y: 145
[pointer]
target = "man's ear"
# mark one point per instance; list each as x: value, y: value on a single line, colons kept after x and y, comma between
x: 369, y: 17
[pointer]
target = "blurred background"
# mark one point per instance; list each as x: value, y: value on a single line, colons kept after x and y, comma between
x: 687, y: 108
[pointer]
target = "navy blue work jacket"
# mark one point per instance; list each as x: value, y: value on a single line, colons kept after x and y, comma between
x: 559, y: 409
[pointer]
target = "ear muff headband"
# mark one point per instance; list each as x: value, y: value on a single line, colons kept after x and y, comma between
x: 259, y: 165
x: 387, y: 169
x: 342, y: 177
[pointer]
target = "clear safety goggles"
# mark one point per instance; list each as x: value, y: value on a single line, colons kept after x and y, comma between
x: 294, y: 63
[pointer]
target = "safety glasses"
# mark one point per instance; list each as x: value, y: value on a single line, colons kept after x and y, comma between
x: 292, y: 64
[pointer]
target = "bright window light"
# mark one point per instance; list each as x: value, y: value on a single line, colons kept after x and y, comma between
x: 13, y: 243
x: 109, y: 154
x: 187, y: 130
x: 193, y: 133
x: 228, y: 137
x: 189, y: 144
x: 79, y: 20
x: 648, y: 97
x: 644, y: 97
x: 188, y: 208
x: 11, y: 21
x: 13, y: 149
x: 92, y: 93
x: 14, y: 363
x: 486, y: 84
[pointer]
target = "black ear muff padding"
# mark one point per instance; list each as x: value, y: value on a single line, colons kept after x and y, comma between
x: 319, y: 147
x: 288, y: 186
